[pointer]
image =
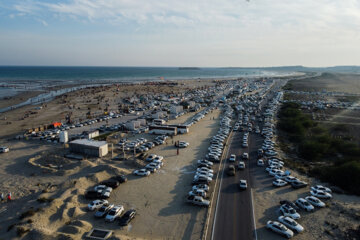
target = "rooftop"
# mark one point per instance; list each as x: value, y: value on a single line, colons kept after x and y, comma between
x: 89, y: 142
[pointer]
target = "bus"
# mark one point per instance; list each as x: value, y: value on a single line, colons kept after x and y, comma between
x: 181, y: 129
x: 163, y: 130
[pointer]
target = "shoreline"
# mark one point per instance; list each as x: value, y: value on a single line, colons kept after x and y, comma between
x: 58, y: 90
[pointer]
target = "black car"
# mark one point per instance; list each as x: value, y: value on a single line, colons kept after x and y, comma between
x: 120, y: 178
x: 289, y: 203
x: 127, y: 217
x: 110, y: 183
x: 93, y: 195
x: 298, y: 184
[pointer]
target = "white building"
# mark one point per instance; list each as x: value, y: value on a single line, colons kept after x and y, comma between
x: 89, y: 147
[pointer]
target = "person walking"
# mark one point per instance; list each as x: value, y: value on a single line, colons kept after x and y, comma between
x: 2, y: 197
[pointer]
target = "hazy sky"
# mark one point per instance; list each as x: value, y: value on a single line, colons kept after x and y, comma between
x: 180, y: 32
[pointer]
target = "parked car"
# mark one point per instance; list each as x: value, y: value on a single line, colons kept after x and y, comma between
x: 142, y: 172
x: 288, y: 211
x: 110, y: 183
x: 321, y: 194
x: 205, y: 162
x: 204, y: 187
x: 243, y: 184
x: 289, y: 203
x: 291, y: 223
x: 279, y: 228
x: 102, y: 211
x: 96, y: 204
x: 151, y: 157
x: 321, y: 188
x: 315, y: 201
x: 279, y: 183
x: 92, y: 194
x: 305, y: 205
x: 197, y: 200
x: 197, y: 192
x: 127, y: 217
x: 4, y: 149
x: 120, y: 178
x: 291, y: 179
x: 298, y: 184
x: 114, y: 213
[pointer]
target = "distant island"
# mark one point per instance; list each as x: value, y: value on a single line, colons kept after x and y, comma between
x: 189, y: 68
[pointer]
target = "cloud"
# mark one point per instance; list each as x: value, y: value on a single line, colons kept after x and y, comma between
x: 189, y: 13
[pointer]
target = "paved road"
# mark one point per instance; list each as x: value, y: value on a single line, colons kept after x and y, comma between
x: 234, y: 217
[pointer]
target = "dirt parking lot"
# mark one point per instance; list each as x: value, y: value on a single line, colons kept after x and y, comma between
x: 160, y: 198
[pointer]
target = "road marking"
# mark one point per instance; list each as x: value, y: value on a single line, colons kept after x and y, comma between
x: 253, y: 212
x: 222, y: 176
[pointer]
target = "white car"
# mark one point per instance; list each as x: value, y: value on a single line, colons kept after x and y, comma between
x: 202, y: 173
x: 320, y: 194
x: 183, y: 144
x: 260, y: 163
x: 321, y: 188
x: 198, y: 192
x: 288, y: 211
x: 106, y: 192
x: 160, y: 158
x: 197, y: 200
x: 202, y: 177
x: 302, y: 203
x: 96, y: 204
x: 291, y: 223
x: 205, y: 169
x: 245, y: 156
x: 279, y: 183
x: 291, y: 179
x: 232, y: 158
x: 4, y: 149
x: 273, y: 172
x: 279, y: 228
x: 151, y: 157
x: 243, y: 184
x: 114, y: 213
x: 142, y: 172
x: 241, y: 165
x: 315, y: 201
x: 281, y: 176
x: 204, y: 187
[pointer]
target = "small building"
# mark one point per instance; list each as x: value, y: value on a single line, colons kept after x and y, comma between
x: 133, y: 125
x: 93, y: 134
x: 64, y: 137
x: 89, y: 147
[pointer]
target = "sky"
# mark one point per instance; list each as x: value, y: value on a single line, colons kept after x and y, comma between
x: 201, y: 33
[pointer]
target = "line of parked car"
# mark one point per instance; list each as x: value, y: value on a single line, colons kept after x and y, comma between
x: 286, y: 224
x: 110, y: 212
x: 204, y: 173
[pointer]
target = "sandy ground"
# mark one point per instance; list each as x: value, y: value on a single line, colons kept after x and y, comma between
x: 159, y: 198
x: 342, y: 212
